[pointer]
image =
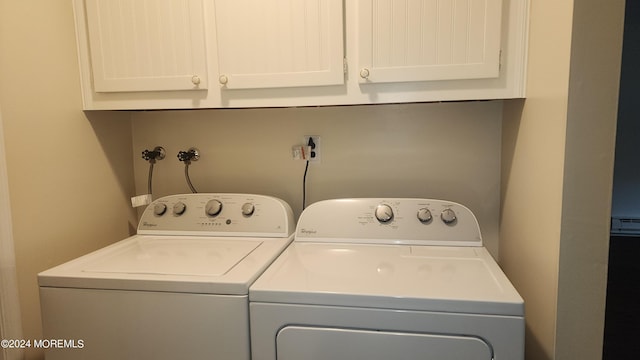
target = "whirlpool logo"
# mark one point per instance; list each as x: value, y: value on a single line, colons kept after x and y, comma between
x: 307, y: 232
x: 148, y: 224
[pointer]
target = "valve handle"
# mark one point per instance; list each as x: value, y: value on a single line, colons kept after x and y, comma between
x: 190, y: 155
x: 158, y: 153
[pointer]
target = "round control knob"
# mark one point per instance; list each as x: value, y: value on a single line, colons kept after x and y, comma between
x: 248, y: 209
x: 213, y: 207
x: 384, y: 213
x: 179, y: 208
x: 223, y: 79
x: 448, y: 216
x: 424, y: 215
x: 364, y: 73
x: 159, y: 209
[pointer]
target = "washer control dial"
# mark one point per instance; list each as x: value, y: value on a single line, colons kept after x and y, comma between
x: 159, y: 209
x: 179, y: 208
x: 213, y: 208
x: 248, y: 209
x: 424, y: 215
x: 384, y: 213
x: 448, y: 216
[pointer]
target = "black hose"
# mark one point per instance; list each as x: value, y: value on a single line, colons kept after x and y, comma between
x: 150, y: 177
x: 304, y: 186
x: 186, y: 175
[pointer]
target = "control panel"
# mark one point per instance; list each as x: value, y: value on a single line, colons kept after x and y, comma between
x: 389, y: 221
x: 218, y: 215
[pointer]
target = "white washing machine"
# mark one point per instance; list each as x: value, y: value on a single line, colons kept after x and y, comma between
x: 176, y: 290
x: 386, y: 279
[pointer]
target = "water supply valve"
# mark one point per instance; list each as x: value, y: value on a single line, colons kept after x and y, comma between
x: 188, y: 156
x: 158, y: 153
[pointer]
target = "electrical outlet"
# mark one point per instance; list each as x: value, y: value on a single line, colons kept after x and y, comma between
x: 313, y: 141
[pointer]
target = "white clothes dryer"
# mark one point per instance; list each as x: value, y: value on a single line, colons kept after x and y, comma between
x: 176, y: 290
x: 386, y: 279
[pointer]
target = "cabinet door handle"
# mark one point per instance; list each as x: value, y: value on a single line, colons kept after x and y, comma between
x: 195, y: 79
x: 364, y: 73
x: 223, y: 79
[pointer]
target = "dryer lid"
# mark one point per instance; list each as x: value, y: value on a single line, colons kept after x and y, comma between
x: 429, y: 278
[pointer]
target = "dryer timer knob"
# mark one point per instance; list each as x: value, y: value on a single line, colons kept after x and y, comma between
x: 448, y: 216
x: 384, y: 213
x: 213, y: 208
x: 424, y: 215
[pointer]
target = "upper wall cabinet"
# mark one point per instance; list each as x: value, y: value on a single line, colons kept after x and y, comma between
x: 426, y: 40
x: 279, y: 43
x: 181, y: 54
x: 146, y: 46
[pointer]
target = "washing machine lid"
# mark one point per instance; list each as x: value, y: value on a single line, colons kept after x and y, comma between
x: 194, y: 264
x: 402, y: 277
x: 189, y: 256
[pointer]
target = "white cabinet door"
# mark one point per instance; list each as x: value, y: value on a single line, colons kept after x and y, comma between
x: 279, y: 43
x: 424, y: 40
x: 141, y: 45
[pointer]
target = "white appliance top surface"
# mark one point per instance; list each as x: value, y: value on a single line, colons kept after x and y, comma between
x: 174, y: 256
x: 172, y: 263
x: 355, y: 252
x: 403, y: 277
x: 187, y: 244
